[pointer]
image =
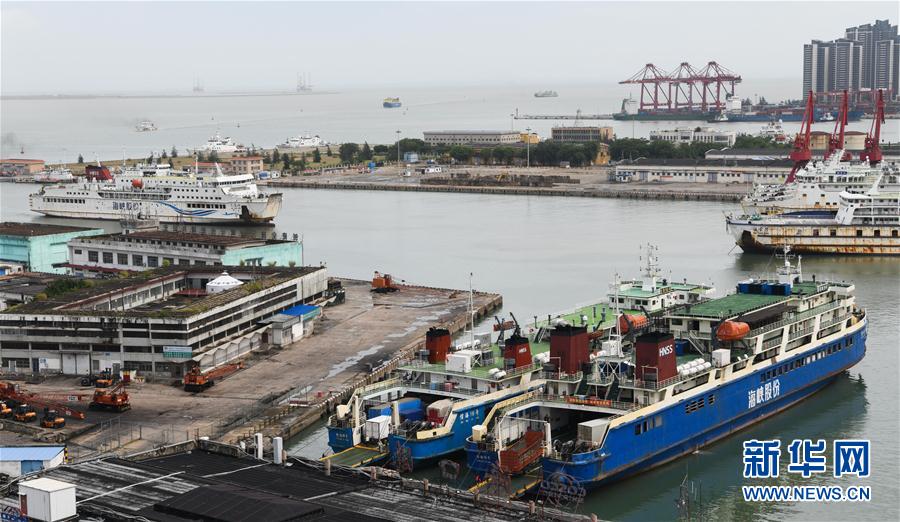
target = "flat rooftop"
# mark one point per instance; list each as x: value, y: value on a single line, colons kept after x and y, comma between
x: 26, y: 283
x: 689, y: 162
x: 79, y: 301
x: 191, y: 483
x: 478, y: 132
x: 184, y: 238
x: 8, y: 228
x: 730, y: 305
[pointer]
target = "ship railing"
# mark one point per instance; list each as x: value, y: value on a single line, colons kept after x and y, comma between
x: 425, y: 366
x: 335, y: 422
x: 793, y: 318
x: 439, y: 386
x: 388, y: 383
x: 562, y: 377
x: 657, y: 385
x: 625, y: 407
x: 835, y: 320
x: 799, y: 333
x: 771, y: 343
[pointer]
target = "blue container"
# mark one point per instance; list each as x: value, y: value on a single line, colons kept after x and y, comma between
x: 680, y: 346
x: 379, y: 410
x: 410, y: 404
x: 743, y: 288
x: 767, y: 288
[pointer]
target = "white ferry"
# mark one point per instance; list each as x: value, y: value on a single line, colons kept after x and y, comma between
x: 864, y: 224
x: 145, y: 126
x: 773, y: 131
x: 297, y: 142
x: 219, y: 143
x: 155, y: 191
x: 818, y: 186
x: 57, y: 175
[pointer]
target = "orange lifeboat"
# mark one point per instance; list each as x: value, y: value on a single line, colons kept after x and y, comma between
x: 732, y: 331
x: 137, y: 183
x: 638, y: 321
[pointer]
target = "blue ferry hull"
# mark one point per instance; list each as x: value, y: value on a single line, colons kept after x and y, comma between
x: 425, y: 451
x: 340, y: 439
x: 629, y: 450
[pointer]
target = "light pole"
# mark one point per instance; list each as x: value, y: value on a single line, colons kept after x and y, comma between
x: 527, y: 147
x: 398, y: 148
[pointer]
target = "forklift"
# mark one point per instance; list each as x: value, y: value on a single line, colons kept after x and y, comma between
x: 52, y: 419
x: 104, y: 379
x: 24, y: 413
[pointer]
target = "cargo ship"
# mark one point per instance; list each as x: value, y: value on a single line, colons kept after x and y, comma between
x: 546, y: 94
x: 865, y: 224
x: 391, y: 103
x: 746, y: 356
x: 783, y: 114
x: 819, y: 184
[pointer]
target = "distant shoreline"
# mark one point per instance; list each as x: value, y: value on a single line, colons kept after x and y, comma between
x: 131, y: 96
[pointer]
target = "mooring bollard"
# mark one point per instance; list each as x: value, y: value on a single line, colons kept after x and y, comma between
x: 425, y: 486
x: 328, y: 468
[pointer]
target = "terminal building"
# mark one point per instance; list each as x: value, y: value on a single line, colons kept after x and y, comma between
x: 39, y: 247
x: 768, y: 171
x: 695, y: 134
x: 477, y: 137
x: 146, y: 249
x: 159, y: 322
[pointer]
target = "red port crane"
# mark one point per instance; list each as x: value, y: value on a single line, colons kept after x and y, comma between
x: 54, y: 401
x: 872, y: 152
x: 801, y: 153
x: 836, y: 142
x: 717, y: 84
x: 651, y: 79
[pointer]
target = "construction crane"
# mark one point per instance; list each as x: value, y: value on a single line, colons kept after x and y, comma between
x: 55, y: 401
x: 872, y: 152
x: 197, y: 381
x: 836, y: 142
x: 685, y: 89
x: 801, y: 153
x: 651, y: 79
x: 113, y: 398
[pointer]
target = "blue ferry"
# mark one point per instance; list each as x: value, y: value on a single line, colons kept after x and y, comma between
x: 750, y: 355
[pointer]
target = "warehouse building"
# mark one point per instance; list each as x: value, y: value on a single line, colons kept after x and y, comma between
x: 705, y: 171
x: 16, y: 461
x: 39, y: 247
x: 581, y: 134
x: 20, y: 167
x: 477, y: 137
x: 158, y: 322
x: 696, y: 134
x: 146, y: 249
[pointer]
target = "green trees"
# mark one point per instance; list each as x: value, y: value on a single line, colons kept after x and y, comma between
x: 286, y: 161
x: 461, y: 153
x: 317, y: 156
x: 80, y: 159
x: 366, y: 152
x: 174, y: 152
x: 746, y: 141
x: 213, y: 156
x: 348, y: 152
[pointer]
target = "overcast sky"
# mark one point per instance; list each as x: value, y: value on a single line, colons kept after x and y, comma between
x: 127, y: 47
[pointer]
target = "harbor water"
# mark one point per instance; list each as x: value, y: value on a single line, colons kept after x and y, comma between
x: 546, y: 254
x: 59, y: 129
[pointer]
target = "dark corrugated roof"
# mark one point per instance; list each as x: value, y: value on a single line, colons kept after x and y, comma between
x: 9, y: 228
x: 230, y: 503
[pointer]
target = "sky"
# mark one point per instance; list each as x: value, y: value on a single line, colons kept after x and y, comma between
x: 123, y: 47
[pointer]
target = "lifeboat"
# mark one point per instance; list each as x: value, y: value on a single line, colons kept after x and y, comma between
x: 732, y: 331
x: 638, y: 321
x: 137, y: 183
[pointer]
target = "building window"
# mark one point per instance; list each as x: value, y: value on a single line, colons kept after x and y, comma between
x: 137, y: 260
x: 107, y: 257
x: 184, y: 261
x: 122, y: 259
x: 858, y: 233
x: 78, y: 251
x: 152, y: 261
x: 93, y: 256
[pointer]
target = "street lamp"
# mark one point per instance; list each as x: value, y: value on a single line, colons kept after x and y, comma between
x: 527, y: 147
x: 398, y: 148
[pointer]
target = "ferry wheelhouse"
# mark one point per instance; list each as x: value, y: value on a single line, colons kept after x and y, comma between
x: 155, y: 191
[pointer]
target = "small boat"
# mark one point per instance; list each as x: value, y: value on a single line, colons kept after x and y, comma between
x: 145, y: 126
x: 297, y: 142
x: 55, y: 175
x: 546, y: 94
x: 391, y: 103
x: 774, y: 131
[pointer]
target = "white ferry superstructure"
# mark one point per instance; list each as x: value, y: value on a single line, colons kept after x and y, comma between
x: 818, y: 186
x: 158, y: 192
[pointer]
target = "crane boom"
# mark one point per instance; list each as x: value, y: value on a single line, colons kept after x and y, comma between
x: 836, y: 142
x: 872, y: 152
x: 801, y: 153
